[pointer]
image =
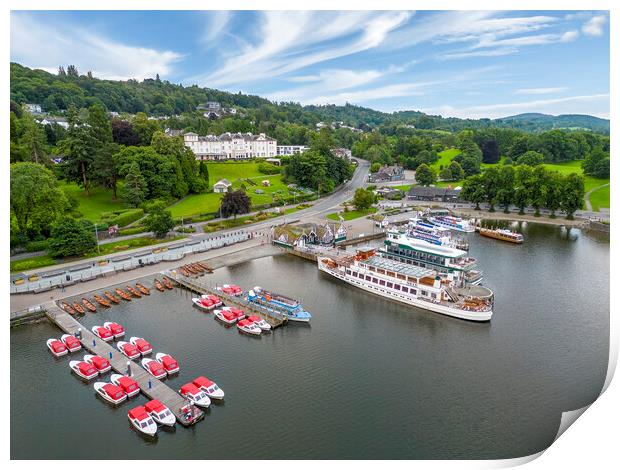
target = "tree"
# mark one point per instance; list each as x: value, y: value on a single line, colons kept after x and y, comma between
x: 104, y: 169
x: 234, y: 203
x: 531, y: 158
x: 123, y: 133
x: 203, y: 169
x: 490, y: 151
x: 572, y: 194
x: 553, y: 192
x: 159, y: 221
x: 505, y: 192
x: 79, y: 148
x: 36, y: 199
x: 445, y: 174
x: 363, y: 199
x: 425, y: 175
x: 538, y: 188
x: 144, y: 128
x: 597, y: 163
x: 492, y: 185
x: 71, y: 237
x: 134, y: 190
x: 376, y: 166
x: 34, y: 140
x: 473, y: 190
x: 523, y: 177
x: 456, y: 170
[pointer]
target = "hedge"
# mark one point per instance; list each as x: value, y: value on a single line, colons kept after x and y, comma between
x: 122, y: 217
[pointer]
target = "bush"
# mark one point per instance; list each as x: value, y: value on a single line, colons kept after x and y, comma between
x: 268, y: 169
x: 124, y: 218
x: 39, y: 245
x: 132, y: 230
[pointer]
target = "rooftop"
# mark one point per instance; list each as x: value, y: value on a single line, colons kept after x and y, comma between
x: 402, y: 268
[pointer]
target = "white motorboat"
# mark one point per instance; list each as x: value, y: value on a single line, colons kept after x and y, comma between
x: 169, y: 362
x: 129, y: 350
x: 195, y: 395
x: 155, y: 368
x: 57, y: 347
x: 129, y: 385
x: 249, y: 327
x: 160, y: 413
x: 102, y: 333
x: 84, y: 369
x: 142, y: 421
x: 258, y: 321
x: 209, y: 387
x: 110, y: 392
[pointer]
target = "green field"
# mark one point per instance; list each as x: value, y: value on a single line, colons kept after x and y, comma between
x: 91, y: 206
x: 445, y: 157
x: 599, y: 198
x: 354, y: 214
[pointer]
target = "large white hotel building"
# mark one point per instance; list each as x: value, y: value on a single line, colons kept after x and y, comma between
x: 231, y: 146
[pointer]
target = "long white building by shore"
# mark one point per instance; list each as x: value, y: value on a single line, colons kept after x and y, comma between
x: 231, y: 146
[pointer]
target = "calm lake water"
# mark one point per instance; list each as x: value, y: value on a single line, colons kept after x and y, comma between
x: 367, y: 379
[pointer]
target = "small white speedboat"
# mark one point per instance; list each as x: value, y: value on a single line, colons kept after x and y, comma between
x: 203, y: 304
x: 73, y: 344
x: 160, y: 413
x: 110, y: 392
x: 225, y: 316
x: 258, y: 321
x: 117, y: 329
x: 129, y: 350
x: 57, y: 347
x: 143, y: 345
x: 249, y: 327
x: 102, y: 333
x: 129, y: 385
x: 169, y: 362
x: 209, y: 387
x: 102, y: 364
x: 84, y: 369
x: 154, y: 368
x: 195, y: 395
x: 142, y: 421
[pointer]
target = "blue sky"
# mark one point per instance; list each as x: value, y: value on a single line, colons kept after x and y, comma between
x: 463, y: 64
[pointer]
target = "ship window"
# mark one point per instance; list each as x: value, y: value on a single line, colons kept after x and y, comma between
x: 433, y: 295
x: 370, y: 268
x: 381, y: 271
x: 368, y: 278
x: 382, y: 282
x: 413, y: 291
x: 354, y: 273
x: 348, y: 271
x: 423, y: 292
x: 397, y: 286
x: 402, y: 276
x: 390, y: 285
x: 405, y: 289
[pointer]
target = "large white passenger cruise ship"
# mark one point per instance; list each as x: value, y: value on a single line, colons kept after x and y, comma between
x: 411, y: 285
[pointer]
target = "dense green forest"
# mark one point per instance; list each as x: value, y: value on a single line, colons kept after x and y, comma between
x: 158, y: 97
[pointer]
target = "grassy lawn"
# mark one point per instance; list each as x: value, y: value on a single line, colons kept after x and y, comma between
x: 354, y: 214
x: 445, y: 158
x: 32, y: 263
x: 600, y: 198
x: 91, y: 206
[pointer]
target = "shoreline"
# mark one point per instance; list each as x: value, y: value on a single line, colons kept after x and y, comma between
x: 512, y: 216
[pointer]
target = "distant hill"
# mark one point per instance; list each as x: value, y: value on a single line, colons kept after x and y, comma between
x: 56, y: 92
x: 538, y: 121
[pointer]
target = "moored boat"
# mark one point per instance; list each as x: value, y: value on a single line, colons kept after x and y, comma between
x: 501, y: 234
x: 195, y: 395
x: 240, y: 314
x: 451, y: 222
x: 142, y: 421
x: 190, y: 269
x: 102, y: 364
x: 169, y: 362
x: 124, y: 295
x: 78, y: 308
x: 84, y: 369
x: 101, y: 301
x: 217, y: 302
x: 143, y: 289
x: 129, y: 385
x: 117, y: 329
x: 110, y: 392
x: 184, y: 271
x: 153, y: 367
x: 133, y: 291
x: 203, y: 303
x: 160, y: 413
x: 292, y: 308
x: 249, y: 327
x: 225, y: 316
x: 112, y: 297
x: 258, y: 321
x: 67, y: 308
x: 168, y: 283
x: 129, y: 350
x: 158, y: 285
x: 71, y: 342
x: 102, y: 333
x: 57, y: 347
x: 231, y: 289
x: 209, y: 387
x: 206, y: 267
x: 89, y: 305
x: 143, y: 345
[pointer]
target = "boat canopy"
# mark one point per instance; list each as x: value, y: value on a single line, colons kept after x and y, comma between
x: 203, y: 382
x: 113, y: 391
x: 190, y: 388
x: 99, y: 362
x: 138, y: 413
x: 169, y: 362
x: 154, y: 406
x: 86, y: 368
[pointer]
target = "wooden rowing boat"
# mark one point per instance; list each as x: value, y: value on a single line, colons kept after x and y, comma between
x: 68, y: 308
x: 184, y: 271
x: 191, y: 269
x: 88, y: 304
x: 78, y: 308
x: 198, y: 268
x: 112, y: 297
x: 159, y: 286
x: 206, y: 267
x: 133, y: 291
x: 124, y: 295
x: 101, y: 301
x: 168, y: 283
x: 145, y: 290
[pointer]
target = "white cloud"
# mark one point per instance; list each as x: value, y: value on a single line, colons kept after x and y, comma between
x: 540, y: 91
x: 594, y: 26
x: 481, y: 53
x: 292, y: 40
x: 216, y: 24
x: 41, y: 45
x: 595, y: 105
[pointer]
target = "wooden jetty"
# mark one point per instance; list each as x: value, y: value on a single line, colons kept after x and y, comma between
x: 275, y: 317
x: 149, y: 385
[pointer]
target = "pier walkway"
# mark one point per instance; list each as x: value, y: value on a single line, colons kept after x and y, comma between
x: 149, y: 385
x: 276, y: 317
